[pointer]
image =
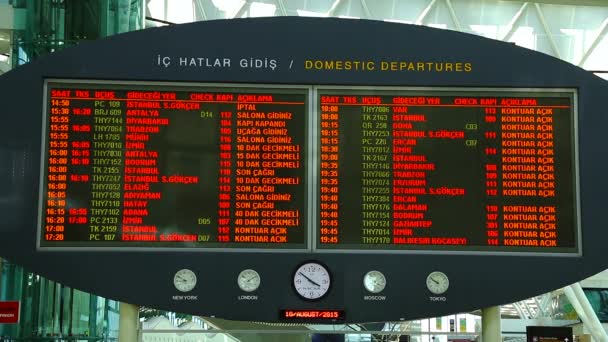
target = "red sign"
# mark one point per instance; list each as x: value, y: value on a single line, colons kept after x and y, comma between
x: 9, y: 312
x: 312, y: 314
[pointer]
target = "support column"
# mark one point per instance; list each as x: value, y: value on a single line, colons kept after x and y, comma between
x: 490, y: 324
x: 4, y: 328
x: 1, y: 269
x: 128, y: 323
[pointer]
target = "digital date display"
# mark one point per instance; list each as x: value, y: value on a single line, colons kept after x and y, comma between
x: 302, y: 315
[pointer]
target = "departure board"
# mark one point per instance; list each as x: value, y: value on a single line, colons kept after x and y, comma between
x: 447, y: 170
x: 174, y: 165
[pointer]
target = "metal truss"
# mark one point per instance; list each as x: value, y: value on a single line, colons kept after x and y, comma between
x: 368, y: 10
x: 583, y: 308
x: 199, y: 10
x: 595, y: 43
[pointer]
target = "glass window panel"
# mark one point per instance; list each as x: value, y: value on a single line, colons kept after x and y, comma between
x: 439, y: 26
x: 315, y: 5
x: 560, y: 16
x: 574, y: 17
x: 543, y: 43
x: 537, y: 39
x: 293, y: 6
x: 351, y: 9
x: 157, y: 9
x: 571, y: 44
x: 260, y: 9
x: 408, y: 10
x: 304, y: 13
x: 113, y: 305
x: 439, y: 17
x: 113, y: 319
x: 180, y: 11
x: 488, y: 14
x: 598, y: 298
x: 47, y: 307
x: 398, y: 21
x: 488, y: 31
x: 100, y: 307
x: 598, y: 60
x: 66, y: 310
x: 80, y: 313
x: 381, y: 9
x: 573, y: 28
x: 524, y: 37
x: 229, y: 8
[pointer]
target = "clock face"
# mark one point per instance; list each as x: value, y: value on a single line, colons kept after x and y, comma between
x: 374, y: 281
x: 437, y: 282
x: 248, y: 280
x: 312, y: 281
x: 184, y: 280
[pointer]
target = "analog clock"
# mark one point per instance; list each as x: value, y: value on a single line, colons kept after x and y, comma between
x: 374, y: 281
x: 437, y: 282
x: 312, y: 281
x: 248, y: 280
x: 184, y: 280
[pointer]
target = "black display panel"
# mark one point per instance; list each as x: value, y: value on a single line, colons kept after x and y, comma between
x: 448, y: 170
x: 548, y: 334
x: 166, y: 165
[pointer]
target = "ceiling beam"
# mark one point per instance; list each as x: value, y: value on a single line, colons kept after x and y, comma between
x: 425, y: 12
x: 568, y: 2
x: 199, y: 10
x: 543, y: 22
x: 596, y: 41
x: 281, y: 6
x: 514, y: 21
x: 453, y: 15
x: 334, y: 7
x: 241, y: 11
x: 366, y: 10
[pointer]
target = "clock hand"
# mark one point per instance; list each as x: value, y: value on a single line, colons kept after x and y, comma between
x: 435, y: 281
x: 310, y: 280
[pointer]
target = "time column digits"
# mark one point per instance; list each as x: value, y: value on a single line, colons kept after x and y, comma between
x: 329, y: 175
x: 57, y: 164
x: 80, y: 157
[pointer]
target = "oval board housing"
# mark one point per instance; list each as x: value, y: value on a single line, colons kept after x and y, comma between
x: 145, y: 277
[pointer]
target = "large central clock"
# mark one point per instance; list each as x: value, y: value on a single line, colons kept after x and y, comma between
x: 311, y: 281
